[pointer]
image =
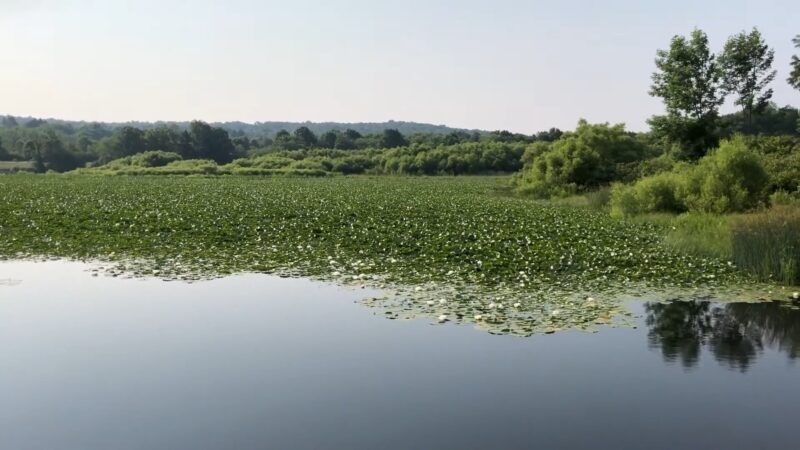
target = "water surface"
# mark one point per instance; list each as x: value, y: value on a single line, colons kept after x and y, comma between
x: 254, y: 361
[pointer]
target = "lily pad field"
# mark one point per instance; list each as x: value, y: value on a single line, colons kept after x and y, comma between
x: 449, y: 249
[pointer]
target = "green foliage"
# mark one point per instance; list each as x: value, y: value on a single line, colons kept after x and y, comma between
x: 591, y: 156
x: 781, y: 158
x: 794, y: 75
x: 392, y: 138
x: 154, y: 158
x: 767, y: 244
x: 783, y: 198
x: 451, y: 237
x: 701, y: 234
x: 688, y: 77
x: 731, y: 178
x: 746, y: 63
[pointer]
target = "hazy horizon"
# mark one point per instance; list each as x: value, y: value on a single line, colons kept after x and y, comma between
x: 521, y: 66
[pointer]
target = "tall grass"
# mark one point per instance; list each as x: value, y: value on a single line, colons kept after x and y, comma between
x: 701, y: 234
x: 767, y: 244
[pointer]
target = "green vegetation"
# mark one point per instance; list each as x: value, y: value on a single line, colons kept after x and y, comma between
x: 416, y: 159
x: 729, y: 179
x: 768, y: 244
x: 430, y: 239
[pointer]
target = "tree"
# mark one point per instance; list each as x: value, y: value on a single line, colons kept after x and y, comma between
x: 305, y: 137
x: 328, y: 139
x: 688, y: 77
x: 162, y: 138
x: 9, y: 121
x: 688, y: 81
x: 4, y: 155
x: 392, y: 138
x: 212, y: 143
x: 794, y: 76
x: 746, y: 63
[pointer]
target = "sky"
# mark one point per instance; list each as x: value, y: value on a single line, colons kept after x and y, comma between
x: 517, y: 65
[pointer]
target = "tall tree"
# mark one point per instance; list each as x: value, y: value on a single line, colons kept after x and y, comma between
x: 794, y: 76
x: 746, y: 63
x: 392, y: 138
x: 688, y: 77
x: 688, y: 81
x: 305, y: 137
x: 210, y: 142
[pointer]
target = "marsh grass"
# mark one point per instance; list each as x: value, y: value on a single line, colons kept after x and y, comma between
x: 701, y: 234
x: 767, y: 244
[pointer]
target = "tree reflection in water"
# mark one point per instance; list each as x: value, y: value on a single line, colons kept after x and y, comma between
x: 735, y: 333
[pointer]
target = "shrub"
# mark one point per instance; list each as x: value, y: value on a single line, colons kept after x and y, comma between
x: 592, y: 156
x: 728, y: 179
x: 783, y: 198
x: 154, y: 158
x: 767, y: 244
x: 731, y: 178
x: 658, y: 193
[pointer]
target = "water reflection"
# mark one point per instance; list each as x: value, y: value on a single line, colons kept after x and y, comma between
x: 735, y: 334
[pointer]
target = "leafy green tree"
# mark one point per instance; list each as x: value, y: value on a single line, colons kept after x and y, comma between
x: 305, y: 138
x: 392, y: 138
x: 688, y: 80
x: 794, y: 76
x: 352, y: 134
x: 328, y: 139
x: 9, y: 121
x: 688, y: 77
x: 162, y: 138
x: 345, y: 142
x: 211, y: 143
x: 4, y: 154
x: 746, y: 63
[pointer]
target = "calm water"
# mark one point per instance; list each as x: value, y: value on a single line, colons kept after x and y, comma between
x: 257, y: 362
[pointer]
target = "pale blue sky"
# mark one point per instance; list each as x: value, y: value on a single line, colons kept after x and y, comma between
x: 502, y: 64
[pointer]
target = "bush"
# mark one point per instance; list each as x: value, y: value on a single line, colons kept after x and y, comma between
x: 658, y: 193
x: 592, y: 156
x: 767, y: 244
x: 154, y: 159
x: 728, y: 179
x: 783, y: 198
x: 731, y: 178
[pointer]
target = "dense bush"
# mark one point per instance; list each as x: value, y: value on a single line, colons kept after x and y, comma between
x: 731, y: 178
x: 591, y: 156
x: 154, y: 159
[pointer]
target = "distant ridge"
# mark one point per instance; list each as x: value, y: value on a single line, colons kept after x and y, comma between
x: 268, y: 129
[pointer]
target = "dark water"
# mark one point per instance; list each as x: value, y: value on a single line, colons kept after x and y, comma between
x: 255, y: 362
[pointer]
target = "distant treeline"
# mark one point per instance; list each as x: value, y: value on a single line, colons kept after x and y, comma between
x: 62, y: 146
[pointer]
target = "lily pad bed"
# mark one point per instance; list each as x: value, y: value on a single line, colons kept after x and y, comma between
x: 509, y: 265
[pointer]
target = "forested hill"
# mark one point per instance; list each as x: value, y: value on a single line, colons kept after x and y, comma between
x: 269, y: 129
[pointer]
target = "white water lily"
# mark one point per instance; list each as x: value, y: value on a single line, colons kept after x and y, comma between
x: 443, y: 318
x: 517, y: 305
x: 442, y: 301
x: 796, y: 295
x: 590, y: 299
x: 417, y: 289
x: 555, y: 312
x: 478, y: 317
x: 500, y: 306
x: 492, y: 305
x: 430, y: 302
x: 337, y: 273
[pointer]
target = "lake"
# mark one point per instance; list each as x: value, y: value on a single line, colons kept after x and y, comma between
x: 256, y: 361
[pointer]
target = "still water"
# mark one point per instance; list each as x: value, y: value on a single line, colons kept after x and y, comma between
x: 260, y: 362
